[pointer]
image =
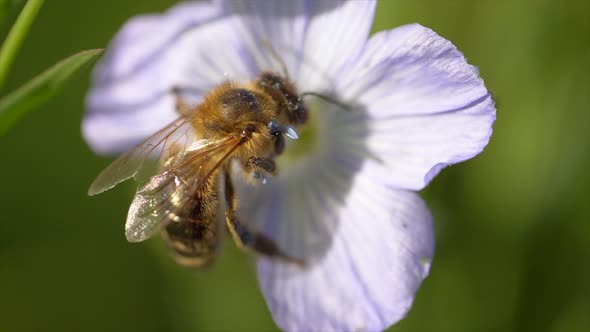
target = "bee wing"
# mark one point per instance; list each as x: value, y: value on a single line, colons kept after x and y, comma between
x: 175, y: 137
x: 170, y: 195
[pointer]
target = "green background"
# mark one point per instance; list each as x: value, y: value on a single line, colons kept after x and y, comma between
x: 513, y: 224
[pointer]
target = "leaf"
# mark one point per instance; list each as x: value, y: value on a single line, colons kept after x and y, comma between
x: 41, y: 88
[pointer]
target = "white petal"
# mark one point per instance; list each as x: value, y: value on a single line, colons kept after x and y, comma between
x: 428, y: 107
x: 269, y: 26
x: 144, y: 37
x: 333, y: 36
x: 379, y: 252
x: 312, y: 38
x: 411, y: 151
x: 109, y: 132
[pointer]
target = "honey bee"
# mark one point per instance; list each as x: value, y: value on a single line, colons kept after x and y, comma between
x: 180, y: 196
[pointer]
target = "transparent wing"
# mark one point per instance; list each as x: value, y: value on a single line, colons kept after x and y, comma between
x: 176, y: 136
x: 170, y: 195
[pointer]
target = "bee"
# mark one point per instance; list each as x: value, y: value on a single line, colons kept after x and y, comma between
x: 179, y: 195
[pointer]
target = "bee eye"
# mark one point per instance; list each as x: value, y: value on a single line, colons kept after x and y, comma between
x: 299, y: 113
x: 274, y: 127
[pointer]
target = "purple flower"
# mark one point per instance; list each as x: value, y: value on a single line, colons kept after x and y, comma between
x: 344, y: 197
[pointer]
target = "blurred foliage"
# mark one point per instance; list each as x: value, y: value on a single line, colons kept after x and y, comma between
x: 41, y: 88
x: 513, y: 224
x: 6, y: 6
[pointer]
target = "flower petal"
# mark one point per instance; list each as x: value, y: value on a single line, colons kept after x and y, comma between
x: 429, y: 107
x: 191, y: 46
x: 366, y: 247
x: 332, y: 38
x: 308, y: 36
x: 380, y: 253
x: 144, y: 37
x: 269, y: 26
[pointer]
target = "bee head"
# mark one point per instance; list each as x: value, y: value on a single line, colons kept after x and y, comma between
x: 286, y: 94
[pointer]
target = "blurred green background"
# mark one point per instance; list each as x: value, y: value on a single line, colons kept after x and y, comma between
x: 513, y: 224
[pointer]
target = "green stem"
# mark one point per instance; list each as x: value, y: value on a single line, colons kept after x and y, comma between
x: 16, y: 36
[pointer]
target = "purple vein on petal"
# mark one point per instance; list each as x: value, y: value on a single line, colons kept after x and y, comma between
x: 468, y: 105
x: 153, y: 56
x: 368, y: 297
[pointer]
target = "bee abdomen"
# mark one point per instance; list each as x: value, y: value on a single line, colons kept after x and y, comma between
x: 193, y: 243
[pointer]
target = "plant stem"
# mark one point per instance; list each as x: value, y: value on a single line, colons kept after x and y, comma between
x: 16, y: 36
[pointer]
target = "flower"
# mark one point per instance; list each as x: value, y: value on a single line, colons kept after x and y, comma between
x: 344, y: 199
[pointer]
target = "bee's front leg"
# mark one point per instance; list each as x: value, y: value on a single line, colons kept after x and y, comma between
x: 245, y: 237
x: 260, y: 167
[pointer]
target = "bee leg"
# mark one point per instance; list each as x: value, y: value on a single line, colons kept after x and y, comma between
x: 279, y: 143
x: 181, y: 106
x: 247, y: 238
x: 259, y: 167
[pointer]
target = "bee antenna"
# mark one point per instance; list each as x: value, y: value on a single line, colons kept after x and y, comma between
x: 276, y: 56
x: 326, y: 98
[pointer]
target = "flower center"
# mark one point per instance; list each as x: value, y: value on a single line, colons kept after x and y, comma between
x: 309, y: 138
